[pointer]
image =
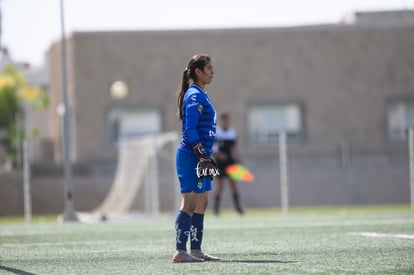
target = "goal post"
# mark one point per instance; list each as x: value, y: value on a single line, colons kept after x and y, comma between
x: 137, y: 177
x: 283, y: 170
x: 411, y: 164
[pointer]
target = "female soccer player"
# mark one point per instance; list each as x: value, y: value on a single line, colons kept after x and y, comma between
x: 226, y: 153
x: 193, y: 160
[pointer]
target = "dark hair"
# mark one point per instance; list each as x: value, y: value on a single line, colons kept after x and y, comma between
x: 224, y: 115
x: 197, y: 61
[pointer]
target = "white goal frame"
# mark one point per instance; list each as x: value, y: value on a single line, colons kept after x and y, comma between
x: 137, y: 170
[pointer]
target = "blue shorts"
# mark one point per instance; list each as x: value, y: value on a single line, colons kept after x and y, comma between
x: 186, y: 171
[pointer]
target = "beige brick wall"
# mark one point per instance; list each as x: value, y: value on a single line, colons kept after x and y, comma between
x: 342, y: 75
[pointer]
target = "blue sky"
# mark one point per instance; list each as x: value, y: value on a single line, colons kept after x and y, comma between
x: 30, y: 26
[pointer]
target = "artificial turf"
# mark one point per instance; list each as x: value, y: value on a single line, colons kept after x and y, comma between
x: 318, y: 241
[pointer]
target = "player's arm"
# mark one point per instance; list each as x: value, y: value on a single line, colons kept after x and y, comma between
x: 219, y: 155
x: 235, y: 151
x: 216, y: 149
x: 192, y: 116
x: 194, y: 107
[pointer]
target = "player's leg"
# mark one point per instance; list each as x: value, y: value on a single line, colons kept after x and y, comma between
x: 217, y: 196
x: 185, y: 164
x: 183, y: 219
x: 197, y: 227
x: 221, y: 165
x: 197, y: 223
x: 236, y: 198
x: 183, y: 227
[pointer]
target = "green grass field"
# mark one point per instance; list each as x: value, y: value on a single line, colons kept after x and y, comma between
x: 368, y: 240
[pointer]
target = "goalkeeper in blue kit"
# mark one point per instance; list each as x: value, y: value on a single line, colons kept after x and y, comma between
x: 195, y: 168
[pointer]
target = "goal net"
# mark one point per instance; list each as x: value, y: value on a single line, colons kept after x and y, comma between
x: 144, y: 165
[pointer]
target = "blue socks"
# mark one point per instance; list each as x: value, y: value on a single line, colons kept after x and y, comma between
x: 182, y: 230
x: 197, y: 224
x: 187, y: 226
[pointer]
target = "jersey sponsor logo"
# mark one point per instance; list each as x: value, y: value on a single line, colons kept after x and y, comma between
x: 192, y: 104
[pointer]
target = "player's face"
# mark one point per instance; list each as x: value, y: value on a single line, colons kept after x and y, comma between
x: 205, y: 76
x: 225, y: 123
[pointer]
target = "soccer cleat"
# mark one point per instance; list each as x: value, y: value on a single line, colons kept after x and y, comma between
x: 204, y: 256
x: 181, y: 256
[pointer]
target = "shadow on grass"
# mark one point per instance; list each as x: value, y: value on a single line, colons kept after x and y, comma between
x: 257, y: 261
x: 255, y: 255
x: 15, y: 270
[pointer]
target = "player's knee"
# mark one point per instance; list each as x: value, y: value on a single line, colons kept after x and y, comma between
x: 201, y: 206
x: 188, y: 209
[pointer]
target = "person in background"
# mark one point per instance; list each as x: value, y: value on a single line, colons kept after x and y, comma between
x: 226, y: 153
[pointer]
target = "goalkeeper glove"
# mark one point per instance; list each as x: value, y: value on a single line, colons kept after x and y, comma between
x: 206, y: 167
x: 200, y: 152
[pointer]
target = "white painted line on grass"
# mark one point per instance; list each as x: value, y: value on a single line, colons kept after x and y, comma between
x: 381, y: 235
x: 308, y: 223
x: 84, y: 243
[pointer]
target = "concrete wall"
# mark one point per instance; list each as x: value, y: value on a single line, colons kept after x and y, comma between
x: 91, y: 184
x: 342, y: 75
x: 47, y: 191
x: 371, y: 179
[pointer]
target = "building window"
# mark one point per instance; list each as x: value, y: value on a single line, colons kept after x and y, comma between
x: 265, y: 122
x: 400, y: 117
x: 131, y: 123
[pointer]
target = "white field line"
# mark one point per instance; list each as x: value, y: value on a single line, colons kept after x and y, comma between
x: 381, y: 235
x: 92, y: 243
x: 313, y: 223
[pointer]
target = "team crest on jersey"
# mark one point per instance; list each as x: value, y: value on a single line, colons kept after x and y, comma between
x: 200, y: 109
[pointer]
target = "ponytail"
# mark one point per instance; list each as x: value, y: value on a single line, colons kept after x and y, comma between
x: 185, y: 84
x: 197, y: 61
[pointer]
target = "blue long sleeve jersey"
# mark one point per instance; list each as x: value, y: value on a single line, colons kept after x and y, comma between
x: 199, y: 120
